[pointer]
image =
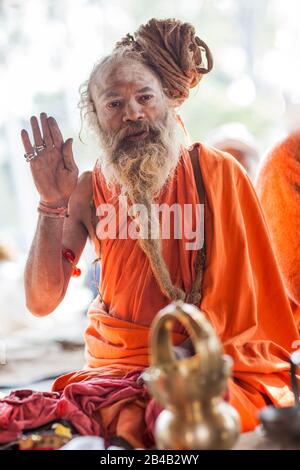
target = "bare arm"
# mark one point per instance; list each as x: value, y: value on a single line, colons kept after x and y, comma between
x: 55, y: 174
x: 47, y: 273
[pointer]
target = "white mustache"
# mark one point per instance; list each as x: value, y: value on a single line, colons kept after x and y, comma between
x: 142, y: 165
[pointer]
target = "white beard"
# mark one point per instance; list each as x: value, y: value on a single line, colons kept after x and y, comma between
x: 143, y: 167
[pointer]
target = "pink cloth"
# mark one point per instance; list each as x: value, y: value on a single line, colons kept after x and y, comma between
x: 77, y: 403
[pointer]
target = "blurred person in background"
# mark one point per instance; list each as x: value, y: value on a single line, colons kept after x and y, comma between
x: 236, y: 139
x: 13, y: 313
x: 278, y: 187
x: 130, y: 100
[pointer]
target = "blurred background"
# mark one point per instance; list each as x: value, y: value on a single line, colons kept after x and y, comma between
x: 47, y: 50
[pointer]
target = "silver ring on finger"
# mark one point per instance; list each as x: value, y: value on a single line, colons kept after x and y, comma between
x: 29, y: 156
x: 39, y: 148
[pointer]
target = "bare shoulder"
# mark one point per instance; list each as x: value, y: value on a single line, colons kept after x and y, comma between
x: 83, y: 193
x: 80, y: 206
x: 84, y: 185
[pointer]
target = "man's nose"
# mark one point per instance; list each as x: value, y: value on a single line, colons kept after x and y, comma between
x: 133, y: 112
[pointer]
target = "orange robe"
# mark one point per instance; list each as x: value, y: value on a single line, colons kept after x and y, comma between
x: 243, y: 294
x: 278, y: 187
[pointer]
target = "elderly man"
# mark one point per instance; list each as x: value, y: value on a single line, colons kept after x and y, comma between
x: 130, y: 101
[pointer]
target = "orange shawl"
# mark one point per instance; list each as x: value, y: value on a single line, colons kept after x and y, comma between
x: 243, y: 295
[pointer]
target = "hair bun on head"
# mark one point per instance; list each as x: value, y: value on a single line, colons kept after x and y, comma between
x: 175, y: 52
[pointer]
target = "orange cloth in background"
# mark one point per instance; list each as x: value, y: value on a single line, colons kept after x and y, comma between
x: 243, y: 294
x: 278, y: 187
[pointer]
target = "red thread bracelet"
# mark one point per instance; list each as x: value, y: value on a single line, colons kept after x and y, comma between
x: 55, y: 212
x: 69, y: 255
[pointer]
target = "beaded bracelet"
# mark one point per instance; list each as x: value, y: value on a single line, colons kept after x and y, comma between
x: 69, y: 255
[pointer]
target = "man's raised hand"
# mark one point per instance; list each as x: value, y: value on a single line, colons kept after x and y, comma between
x: 54, y: 170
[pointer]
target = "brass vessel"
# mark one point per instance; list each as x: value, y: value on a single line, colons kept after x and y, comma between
x: 190, y: 389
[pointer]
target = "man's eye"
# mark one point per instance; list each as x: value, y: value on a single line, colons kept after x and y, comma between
x: 145, y: 98
x: 114, y: 104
